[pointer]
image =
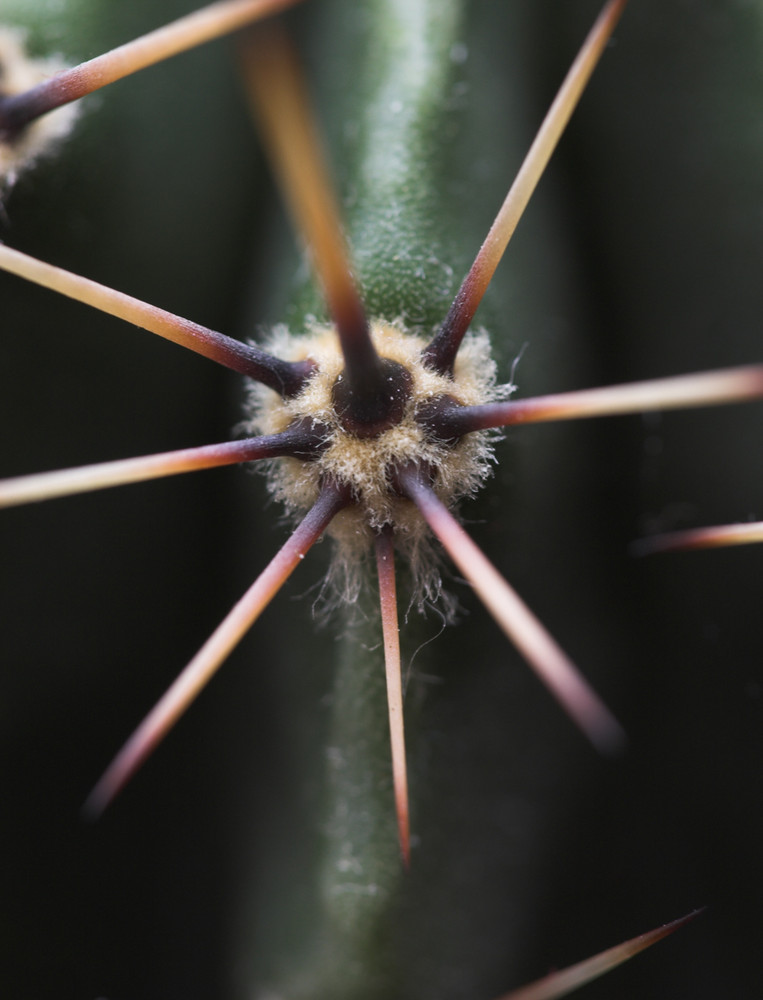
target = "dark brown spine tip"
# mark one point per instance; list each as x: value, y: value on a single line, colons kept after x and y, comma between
x: 445, y: 419
x: 304, y: 439
x: 333, y: 497
x: 440, y: 353
x: 365, y: 374
x: 287, y: 378
x: 412, y: 479
x: 7, y: 130
x: 377, y: 408
x: 19, y: 110
x: 14, y: 117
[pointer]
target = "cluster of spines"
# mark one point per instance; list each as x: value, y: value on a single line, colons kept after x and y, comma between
x: 363, y: 400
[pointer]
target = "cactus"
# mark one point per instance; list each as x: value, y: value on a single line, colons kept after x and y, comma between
x: 109, y: 594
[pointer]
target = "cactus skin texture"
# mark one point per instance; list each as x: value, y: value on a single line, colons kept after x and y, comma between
x: 225, y: 870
